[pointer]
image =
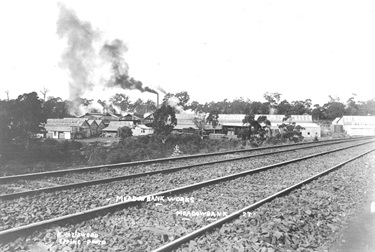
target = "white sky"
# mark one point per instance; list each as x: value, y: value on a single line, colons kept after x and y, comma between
x: 212, y: 49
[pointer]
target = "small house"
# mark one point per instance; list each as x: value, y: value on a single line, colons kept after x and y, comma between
x: 141, y: 130
x: 67, y: 128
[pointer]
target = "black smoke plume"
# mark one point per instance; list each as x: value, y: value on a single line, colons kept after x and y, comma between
x: 113, y: 52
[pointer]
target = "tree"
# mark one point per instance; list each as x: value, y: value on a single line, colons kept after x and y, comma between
x: 125, y: 132
x: 121, y: 100
x: 284, y: 107
x: 259, y: 108
x: 213, y: 119
x: 141, y: 107
x: 21, y: 118
x: 7, y: 92
x: 200, y: 121
x: 351, y: 107
x: 253, y: 127
x: 44, y: 93
x: 317, y: 112
x: 55, y: 107
x: 273, y: 99
x: 333, y: 109
x: 290, y: 131
x: 164, y: 119
x: 367, y: 108
x: 300, y: 107
x: 6, y: 108
x: 196, y: 107
x: 183, y: 99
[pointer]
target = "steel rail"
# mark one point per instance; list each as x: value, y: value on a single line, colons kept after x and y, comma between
x: 14, y: 233
x: 110, y: 166
x: 176, y: 243
x: 143, y: 174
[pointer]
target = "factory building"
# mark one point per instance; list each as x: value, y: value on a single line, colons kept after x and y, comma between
x: 67, y: 128
x: 354, y: 125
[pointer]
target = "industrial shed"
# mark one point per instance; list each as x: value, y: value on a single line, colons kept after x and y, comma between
x: 67, y: 128
x: 135, y: 118
x: 112, y: 129
x: 185, y: 122
x: 94, y: 127
x: 141, y: 130
x: 355, y: 125
x: 305, y: 121
x: 233, y: 123
x: 105, y: 117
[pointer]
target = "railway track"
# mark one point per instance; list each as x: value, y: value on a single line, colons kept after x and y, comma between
x: 87, y: 215
x: 45, y: 186
x: 6, y: 179
x: 247, y: 211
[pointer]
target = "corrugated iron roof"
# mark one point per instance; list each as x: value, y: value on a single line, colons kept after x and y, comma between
x: 305, y: 125
x: 185, y: 121
x: 114, y: 125
x: 90, y: 122
x: 57, y: 128
x: 348, y: 120
x: 185, y: 126
x: 143, y: 126
x: 66, y: 122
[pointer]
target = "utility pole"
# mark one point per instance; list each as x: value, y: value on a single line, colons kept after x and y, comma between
x: 7, y: 92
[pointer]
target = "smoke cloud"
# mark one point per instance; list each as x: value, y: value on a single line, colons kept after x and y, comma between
x: 80, y: 59
x: 173, y: 102
x: 79, y: 53
x: 161, y: 90
x: 113, y: 52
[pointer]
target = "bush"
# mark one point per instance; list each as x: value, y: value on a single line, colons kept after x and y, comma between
x: 125, y: 132
x: 72, y: 153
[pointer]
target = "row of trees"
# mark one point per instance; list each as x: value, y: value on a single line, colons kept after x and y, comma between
x: 274, y: 104
x: 22, y: 116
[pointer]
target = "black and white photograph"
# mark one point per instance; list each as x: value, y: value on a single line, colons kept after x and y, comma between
x: 187, y: 126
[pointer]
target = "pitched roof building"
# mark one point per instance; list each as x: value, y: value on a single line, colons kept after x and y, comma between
x: 67, y: 128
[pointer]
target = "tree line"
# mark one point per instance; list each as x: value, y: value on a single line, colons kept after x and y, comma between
x: 273, y: 103
x: 22, y: 116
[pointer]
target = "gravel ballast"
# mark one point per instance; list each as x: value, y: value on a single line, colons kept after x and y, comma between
x: 102, y: 173
x: 31, y: 209
x: 148, y: 226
